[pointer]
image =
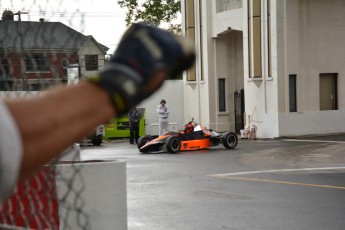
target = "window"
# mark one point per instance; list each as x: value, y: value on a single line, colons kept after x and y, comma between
x: 35, y: 87
x: 36, y: 62
x: 190, y: 33
x: 328, y: 91
x: 91, y: 62
x: 6, y: 85
x: 4, y: 68
x: 221, y: 96
x: 201, y: 44
x: 269, y: 47
x: 249, y: 40
x: 292, y: 93
x: 254, y: 38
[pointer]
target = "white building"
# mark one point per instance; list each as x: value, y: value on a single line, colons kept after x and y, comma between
x: 288, y: 55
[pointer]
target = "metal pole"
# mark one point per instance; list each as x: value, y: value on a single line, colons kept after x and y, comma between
x: 19, y: 13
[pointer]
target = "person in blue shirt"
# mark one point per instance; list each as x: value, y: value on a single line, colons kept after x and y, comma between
x: 134, y: 116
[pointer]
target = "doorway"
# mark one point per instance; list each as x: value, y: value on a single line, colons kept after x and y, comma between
x: 239, y: 110
x: 328, y: 91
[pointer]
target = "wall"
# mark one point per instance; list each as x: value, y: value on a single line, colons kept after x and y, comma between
x: 172, y: 92
x: 103, y: 201
x: 90, y: 48
x: 227, y: 19
x: 196, y: 93
x: 220, y: 47
x: 309, y: 41
x: 315, y: 38
x: 306, y: 39
x: 313, y: 44
x: 55, y: 75
x: 302, y: 123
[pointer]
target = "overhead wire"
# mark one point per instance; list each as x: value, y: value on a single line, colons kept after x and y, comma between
x: 69, y: 13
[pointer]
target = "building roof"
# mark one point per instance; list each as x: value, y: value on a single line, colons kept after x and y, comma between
x: 41, y: 35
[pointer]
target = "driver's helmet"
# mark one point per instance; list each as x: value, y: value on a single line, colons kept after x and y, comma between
x: 189, y: 127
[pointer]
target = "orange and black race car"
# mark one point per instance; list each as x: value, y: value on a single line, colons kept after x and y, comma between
x: 193, y: 137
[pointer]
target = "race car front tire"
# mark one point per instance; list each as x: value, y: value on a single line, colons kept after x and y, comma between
x: 230, y: 140
x: 142, y: 141
x: 173, y: 144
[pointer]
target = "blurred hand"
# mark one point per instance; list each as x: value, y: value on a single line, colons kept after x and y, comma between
x: 145, y: 57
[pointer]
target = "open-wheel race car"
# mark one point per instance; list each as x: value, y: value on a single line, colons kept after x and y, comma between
x: 193, y: 137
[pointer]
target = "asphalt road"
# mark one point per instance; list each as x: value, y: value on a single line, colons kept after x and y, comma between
x: 262, y: 184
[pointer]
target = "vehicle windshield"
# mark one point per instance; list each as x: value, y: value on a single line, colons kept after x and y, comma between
x: 170, y: 133
x: 197, y: 128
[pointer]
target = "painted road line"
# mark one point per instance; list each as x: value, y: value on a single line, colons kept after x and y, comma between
x: 280, y: 182
x: 275, y: 171
x: 233, y: 175
x: 319, y: 141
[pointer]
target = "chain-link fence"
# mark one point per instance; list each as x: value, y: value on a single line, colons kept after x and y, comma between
x: 35, y: 55
x: 50, y: 199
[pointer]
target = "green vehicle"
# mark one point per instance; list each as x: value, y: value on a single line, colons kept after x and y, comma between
x: 119, y: 127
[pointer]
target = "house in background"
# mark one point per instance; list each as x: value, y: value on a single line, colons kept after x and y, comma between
x: 287, y: 55
x: 36, y: 55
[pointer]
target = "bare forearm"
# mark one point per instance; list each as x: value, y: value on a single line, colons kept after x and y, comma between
x: 50, y: 123
x: 145, y: 57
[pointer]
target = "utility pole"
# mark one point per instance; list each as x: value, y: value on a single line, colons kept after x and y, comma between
x: 19, y: 13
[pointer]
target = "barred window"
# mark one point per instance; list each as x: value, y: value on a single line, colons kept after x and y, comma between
x: 292, y: 93
x: 221, y: 95
x: 91, y: 62
x: 36, y: 62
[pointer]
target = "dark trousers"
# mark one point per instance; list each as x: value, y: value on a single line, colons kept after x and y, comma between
x: 134, y: 134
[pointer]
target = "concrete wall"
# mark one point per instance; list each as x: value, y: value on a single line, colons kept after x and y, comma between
x: 172, y: 92
x: 220, y: 47
x: 315, y: 44
x: 306, y: 123
x: 196, y: 93
x: 306, y: 40
x: 261, y: 94
x: 222, y: 21
x: 103, y: 203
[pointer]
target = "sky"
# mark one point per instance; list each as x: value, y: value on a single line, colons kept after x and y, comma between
x: 103, y: 19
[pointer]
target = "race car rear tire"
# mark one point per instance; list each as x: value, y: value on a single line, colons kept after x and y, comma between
x: 142, y: 141
x: 230, y: 140
x: 173, y: 144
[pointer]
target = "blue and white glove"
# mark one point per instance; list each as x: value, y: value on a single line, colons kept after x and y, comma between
x: 144, y: 50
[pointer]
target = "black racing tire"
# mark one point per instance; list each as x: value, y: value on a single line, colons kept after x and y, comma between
x: 173, y: 144
x: 230, y: 140
x: 142, y: 141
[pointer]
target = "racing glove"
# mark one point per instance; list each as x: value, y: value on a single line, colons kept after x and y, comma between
x: 144, y: 50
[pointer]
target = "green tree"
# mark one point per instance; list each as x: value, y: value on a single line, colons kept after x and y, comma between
x: 157, y: 12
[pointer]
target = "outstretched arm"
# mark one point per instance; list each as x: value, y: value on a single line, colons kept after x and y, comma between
x: 51, y: 122
x: 48, y: 124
